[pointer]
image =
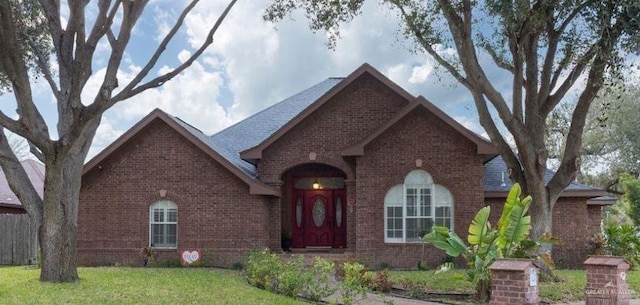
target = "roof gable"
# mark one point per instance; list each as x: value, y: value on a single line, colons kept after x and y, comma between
x: 255, y: 129
x: 192, y: 134
x: 255, y: 153
x: 484, y: 147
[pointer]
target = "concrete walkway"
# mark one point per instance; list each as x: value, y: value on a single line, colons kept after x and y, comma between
x: 379, y: 299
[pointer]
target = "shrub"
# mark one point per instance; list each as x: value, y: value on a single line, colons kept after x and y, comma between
x: 354, y: 283
x: 291, y: 278
x: 623, y: 240
x: 318, y: 280
x: 237, y: 266
x: 263, y: 268
x: 267, y: 271
x: 379, y: 281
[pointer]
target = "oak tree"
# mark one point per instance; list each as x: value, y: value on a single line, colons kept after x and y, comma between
x: 31, y: 31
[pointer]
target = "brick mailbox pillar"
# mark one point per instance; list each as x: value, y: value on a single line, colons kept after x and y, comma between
x: 607, y: 281
x: 514, y: 281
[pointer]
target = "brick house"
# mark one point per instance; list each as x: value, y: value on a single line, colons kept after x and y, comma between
x: 352, y: 165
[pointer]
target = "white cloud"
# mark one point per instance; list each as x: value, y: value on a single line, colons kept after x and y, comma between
x: 420, y: 74
x: 105, y: 135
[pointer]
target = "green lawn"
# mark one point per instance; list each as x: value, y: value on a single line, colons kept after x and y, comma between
x: 109, y: 285
x: 570, y: 289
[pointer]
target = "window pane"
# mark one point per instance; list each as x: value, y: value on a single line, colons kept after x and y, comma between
x: 398, y: 223
x: 412, y: 234
x: 412, y: 199
x: 158, y: 215
x: 425, y: 202
x: 156, y: 235
x: 171, y: 235
x: 172, y: 215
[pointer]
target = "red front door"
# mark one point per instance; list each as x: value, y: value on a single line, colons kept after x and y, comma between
x: 319, y: 215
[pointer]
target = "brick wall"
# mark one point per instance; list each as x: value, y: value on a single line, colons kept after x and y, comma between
x: 354, y: 113
x: 215, y: 211
x: 573, y: 222
x: 451, y: 160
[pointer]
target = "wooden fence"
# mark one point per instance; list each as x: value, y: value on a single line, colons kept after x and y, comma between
x: 18, y: 240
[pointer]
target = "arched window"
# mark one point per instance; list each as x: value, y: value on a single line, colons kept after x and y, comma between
x: 163, y: 224
x: 412, y: 208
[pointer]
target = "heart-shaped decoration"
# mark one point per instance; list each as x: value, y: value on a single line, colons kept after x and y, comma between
x: 190, y: 256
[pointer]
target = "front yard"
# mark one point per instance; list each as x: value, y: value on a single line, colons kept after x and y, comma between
x: 109, y: 285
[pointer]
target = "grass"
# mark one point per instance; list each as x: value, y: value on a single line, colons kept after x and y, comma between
x: 572, y: 288
x: 109, y: 285
x: 450, y: 281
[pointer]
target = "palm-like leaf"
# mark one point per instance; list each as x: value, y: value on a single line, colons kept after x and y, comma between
x: 516, y: 227
x: 442, y: 239
x: 479, y: 227
x: 512, y: 200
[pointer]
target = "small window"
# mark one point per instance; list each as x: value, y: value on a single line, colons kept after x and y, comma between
x: 411, y: 209
x: 163, y: 223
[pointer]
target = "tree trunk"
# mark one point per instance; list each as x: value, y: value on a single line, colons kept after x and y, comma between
x: 59, y: 226
x: 541, y: 209
x: 58, y: 231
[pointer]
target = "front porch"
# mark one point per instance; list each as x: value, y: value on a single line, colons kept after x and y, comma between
x: 314, y: 213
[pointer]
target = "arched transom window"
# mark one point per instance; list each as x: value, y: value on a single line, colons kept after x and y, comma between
x: 412, y: 208
x: 163, y: 224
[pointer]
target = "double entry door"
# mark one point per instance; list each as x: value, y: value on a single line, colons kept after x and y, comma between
x: 319, y: 218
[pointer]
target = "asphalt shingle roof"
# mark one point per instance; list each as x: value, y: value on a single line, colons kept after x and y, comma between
x: 35, y: 172
x: 496, y: 178
x: 257, y: 128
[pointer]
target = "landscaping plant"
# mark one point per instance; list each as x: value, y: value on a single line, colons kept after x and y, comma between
x: 510, y: 239
x: 354, y: 283
x: 623, y: 240
x: 265, y: 270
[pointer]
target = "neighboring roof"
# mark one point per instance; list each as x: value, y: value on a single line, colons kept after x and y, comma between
x: 35, y: 172
x: 192, y: 134
x: 497, y: 182
x: 602, y: 200
x: 483, y: 146
x: 257, y: 128
x: 255, y: 153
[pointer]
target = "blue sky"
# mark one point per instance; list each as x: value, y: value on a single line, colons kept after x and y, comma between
x: 253, y: 64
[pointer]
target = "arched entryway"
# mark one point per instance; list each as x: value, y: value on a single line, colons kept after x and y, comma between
x: 315, y: 210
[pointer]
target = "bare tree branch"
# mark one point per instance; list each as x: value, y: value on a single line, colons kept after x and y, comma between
x: 158, y: 81
x: 571, y: 79
x: 19, y: 181
x: 429, y: 48
x: 43, y: 64
x: 571, y: 158
x: 546, y: 82
x: 36, y: 152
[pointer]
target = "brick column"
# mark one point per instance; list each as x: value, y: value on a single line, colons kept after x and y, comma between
x: 607, y: 281
x: 514, y: 281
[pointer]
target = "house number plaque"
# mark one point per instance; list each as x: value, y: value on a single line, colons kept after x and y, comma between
x: 533, y: 277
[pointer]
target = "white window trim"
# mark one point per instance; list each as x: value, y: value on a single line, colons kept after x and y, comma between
x: 434, y: 204
x: 165, y: 204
